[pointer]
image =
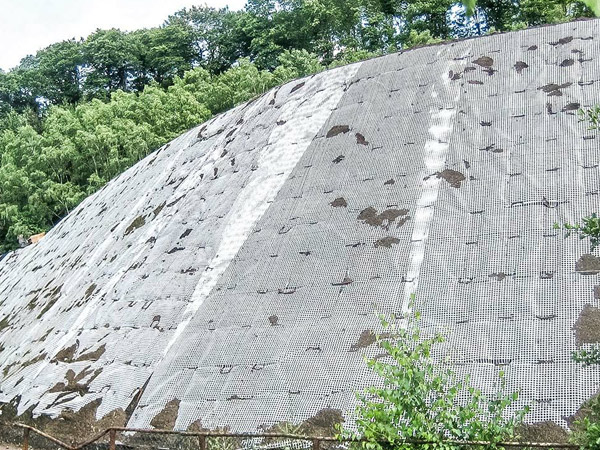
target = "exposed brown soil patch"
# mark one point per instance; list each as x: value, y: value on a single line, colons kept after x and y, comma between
x: 165, y: 420
x: 491, y: 148
x: 567, y: 62
x: 156, y: 211
x: 93, y: 355
x: 588, y: 264
x: 339, y: 202
x: 66, y: 354
x: 138, y: 222
x: 386, y: 242
x: 72, y: 383
x: 90, y: 290
x: 587, y: 326
x: 298, y: 86
x: 366, y: 338
x: 453, y: 177
x: 360, y: 139
x: 385, y: 219
x: 585, y: 410
x: 542, y: 432
x: 4, y: 323
x: 345, y: 282
x: 196, y: 427
x: 337, y: 129
x: 597, y: 292
x: 571, y: 107
x: 70, y: 427
x: 562, y: 41
x: 520, y: 65
x: 32, y: 361
x: 553, y: 89
x: 484, y: 61
x: 53, y: 295
x: 323, y: 423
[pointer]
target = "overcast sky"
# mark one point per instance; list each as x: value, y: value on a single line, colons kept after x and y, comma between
x: 29, y: 25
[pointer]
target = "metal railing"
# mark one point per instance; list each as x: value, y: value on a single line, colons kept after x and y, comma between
x: 199, y: 440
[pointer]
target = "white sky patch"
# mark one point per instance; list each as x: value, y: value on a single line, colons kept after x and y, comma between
x: 27, y: 26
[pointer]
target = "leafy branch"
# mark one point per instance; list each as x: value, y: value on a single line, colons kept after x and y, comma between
x: 591, y: 115
x: 419, y: 400
x: 589, y: 228
x: 588, y: 358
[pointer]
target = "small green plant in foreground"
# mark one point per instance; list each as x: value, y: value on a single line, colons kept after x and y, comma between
x: 588, y: 358
x: 586, y: 431
x: 591, y: 115
x: 589, y: 228
x: 419, y: 400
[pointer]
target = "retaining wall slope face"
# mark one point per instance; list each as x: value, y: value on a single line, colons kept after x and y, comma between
x: 235, y: 273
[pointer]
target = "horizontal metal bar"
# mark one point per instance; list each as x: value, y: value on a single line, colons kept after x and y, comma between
x: 46, y: 436
x: 92, y: 440
x: 304, y: 438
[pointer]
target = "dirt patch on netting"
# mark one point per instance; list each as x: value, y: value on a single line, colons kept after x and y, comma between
x: 386, y: 242
x: 165, y: 420
x: 384, y: 219
x: 339, y: 202
x: 323, y: 423
x: 70, y: 426
x: 138, y: 222
x: 587, y: 326
x: 453, y: 177
x: 366, y: 338
x: 588, y: 264
x: 93, y: 355
x: 66, y: 354
x: 337, y: 129
x: 543, y: 432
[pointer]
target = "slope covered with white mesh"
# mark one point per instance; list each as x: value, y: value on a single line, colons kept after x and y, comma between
x: 235, y: 274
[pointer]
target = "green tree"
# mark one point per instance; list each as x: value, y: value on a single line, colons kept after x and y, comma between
x: 218, y: 38
x: 161, y: 53
x: 110, y: 58
x: 296, y: 64
x: 420, y: 400
x: 59, y: 72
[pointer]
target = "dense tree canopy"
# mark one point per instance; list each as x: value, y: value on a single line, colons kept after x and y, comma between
x: 79, y: 112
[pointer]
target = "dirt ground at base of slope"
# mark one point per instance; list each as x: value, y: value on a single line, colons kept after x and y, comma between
x: 9, y: 447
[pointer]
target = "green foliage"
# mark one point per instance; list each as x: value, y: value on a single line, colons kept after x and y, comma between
x: 420, y: 400
x: 594, y: 5
x: 588, y: 357
x: 79, y: 112
x: 508, y: 15
x: 586, y: 432
x: 589, y: 228
x: 350, y: 56
x: 416, y: 39
x: 45, y: 173
x: 296, y: 64
x: 470, y: 6
x: 591, y: 116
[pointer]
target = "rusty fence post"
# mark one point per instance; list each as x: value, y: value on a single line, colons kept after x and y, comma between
x: 26, y: 439
x: 202, y: 440
x: 316, y: 444
x: 111, y: 439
